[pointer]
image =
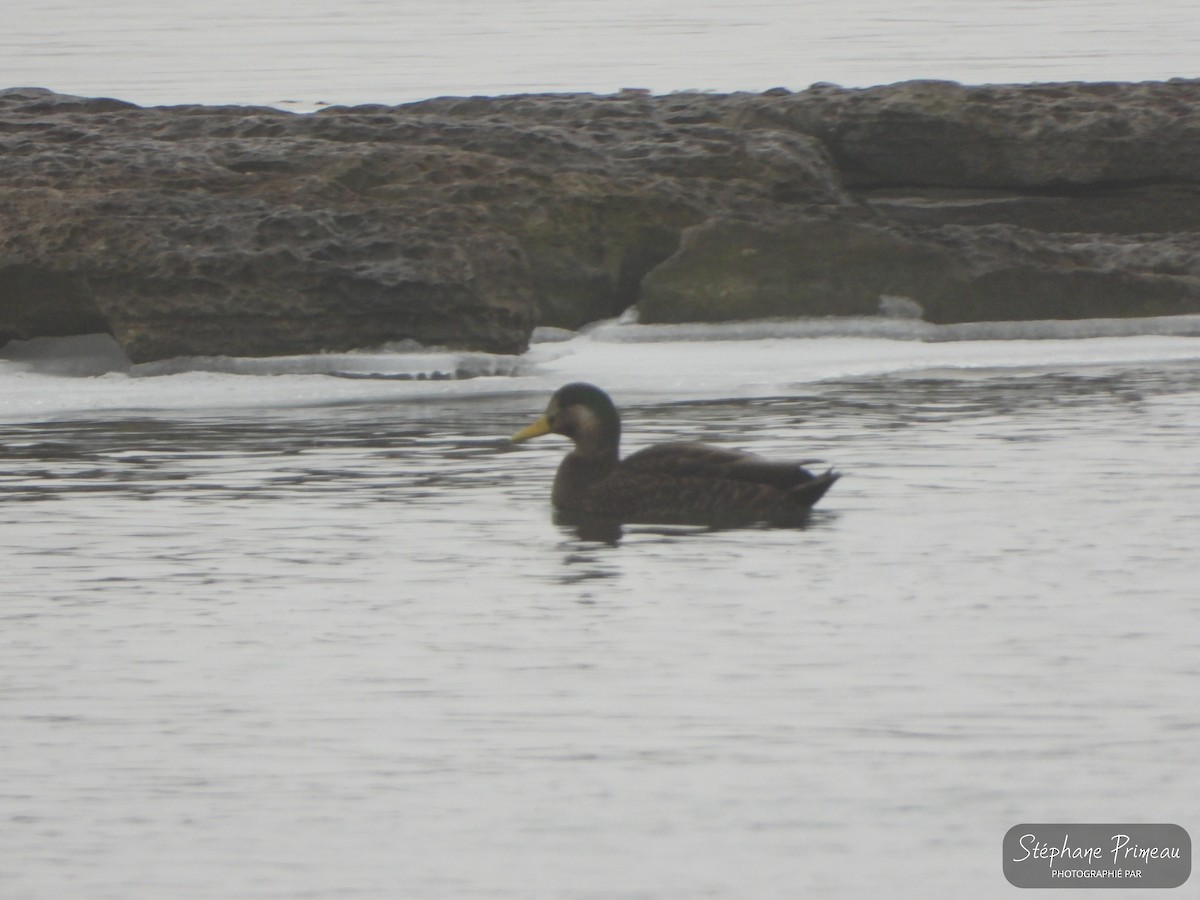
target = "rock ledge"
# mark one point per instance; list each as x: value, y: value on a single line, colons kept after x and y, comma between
x: 466, y: 222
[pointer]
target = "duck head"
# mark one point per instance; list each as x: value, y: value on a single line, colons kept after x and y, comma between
x: 583, y: 413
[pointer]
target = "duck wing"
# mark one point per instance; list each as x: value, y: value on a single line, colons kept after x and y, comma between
x: 660, y: 497
x: 696, y: 460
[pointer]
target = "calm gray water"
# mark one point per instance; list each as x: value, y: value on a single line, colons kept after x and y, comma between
x: 300, y: 53
x: 344, y: 651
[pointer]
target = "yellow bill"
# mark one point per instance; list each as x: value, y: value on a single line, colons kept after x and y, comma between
x: 538, y: 428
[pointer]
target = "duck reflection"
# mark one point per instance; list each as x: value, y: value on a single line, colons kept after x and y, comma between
x: 609, y: 531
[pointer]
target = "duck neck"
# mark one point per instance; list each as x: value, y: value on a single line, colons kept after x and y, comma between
x: 599, y: 451
x: 593, y: 459
x: 597, y: 439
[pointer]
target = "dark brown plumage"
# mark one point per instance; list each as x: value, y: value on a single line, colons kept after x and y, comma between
x: 667, y: 483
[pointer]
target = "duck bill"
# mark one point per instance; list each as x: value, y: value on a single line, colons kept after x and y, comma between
x: 537, y: 429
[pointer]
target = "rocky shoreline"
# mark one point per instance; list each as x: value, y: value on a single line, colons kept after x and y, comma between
x: 466, y: 222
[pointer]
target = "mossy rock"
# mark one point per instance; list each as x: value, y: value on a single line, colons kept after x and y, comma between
x: 728, y: 270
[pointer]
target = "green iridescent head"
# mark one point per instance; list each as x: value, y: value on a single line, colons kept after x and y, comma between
x: 582, y: 412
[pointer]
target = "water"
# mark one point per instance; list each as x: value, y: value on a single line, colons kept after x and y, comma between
x: 306, y: 627
x: 336, y: 646
x: 301, y: 53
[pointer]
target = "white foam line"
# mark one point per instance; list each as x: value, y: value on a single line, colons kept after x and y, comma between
x: 896, y: 329
x: 740, y: 367
x: 684, y: 367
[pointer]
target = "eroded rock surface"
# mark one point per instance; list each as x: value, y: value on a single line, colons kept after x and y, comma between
x: 466, y: 222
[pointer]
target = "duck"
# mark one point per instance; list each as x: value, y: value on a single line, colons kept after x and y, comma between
x: 670, y: 483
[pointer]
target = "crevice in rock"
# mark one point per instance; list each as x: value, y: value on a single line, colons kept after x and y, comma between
x: 38, y: 303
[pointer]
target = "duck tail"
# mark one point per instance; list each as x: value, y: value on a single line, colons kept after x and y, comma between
x: 808, y: 493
